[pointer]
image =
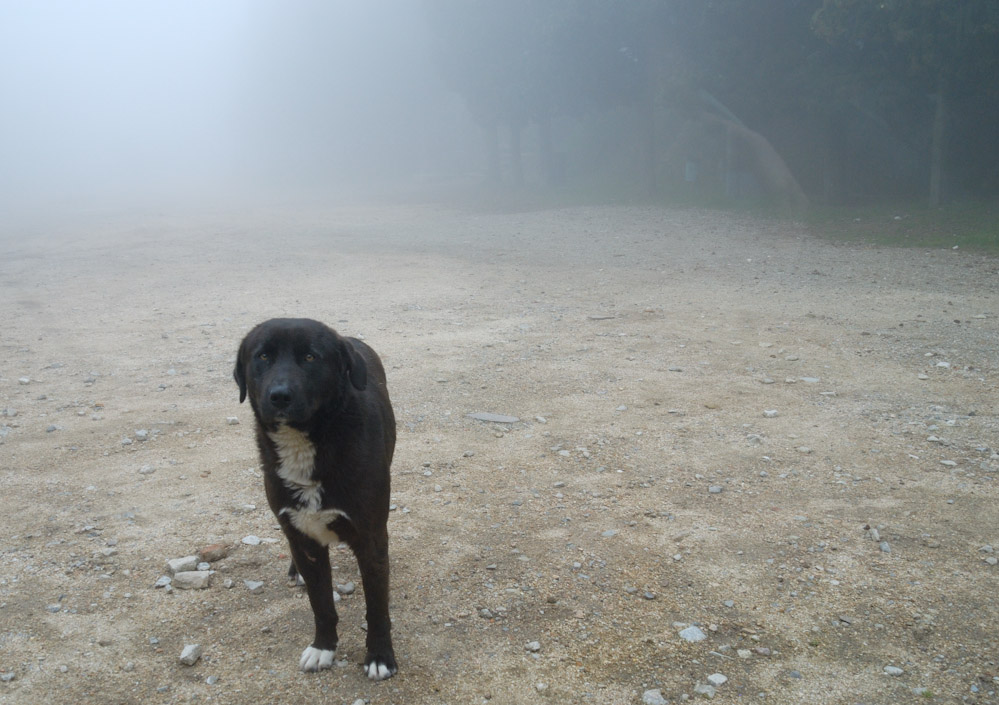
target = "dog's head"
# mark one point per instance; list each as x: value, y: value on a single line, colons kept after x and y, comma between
x: 292, y: 367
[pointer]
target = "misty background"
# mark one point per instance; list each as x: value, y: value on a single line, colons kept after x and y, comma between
x: 788, y: 102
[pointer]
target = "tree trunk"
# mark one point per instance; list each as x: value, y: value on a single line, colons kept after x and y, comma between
x: 490, y: 133
x: 937, y: 146
x: 516, y: 162
x: 546, y: 149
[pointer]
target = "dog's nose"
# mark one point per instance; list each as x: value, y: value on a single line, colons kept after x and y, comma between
x: 280, y: 397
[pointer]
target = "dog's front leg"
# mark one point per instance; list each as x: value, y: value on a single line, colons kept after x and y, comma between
x: 312, y: 560
x: 373, y: 561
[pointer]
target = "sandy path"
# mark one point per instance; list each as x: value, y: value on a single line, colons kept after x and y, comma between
x: 639, y: 347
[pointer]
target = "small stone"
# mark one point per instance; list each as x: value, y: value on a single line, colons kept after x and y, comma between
x: 251, y: 540
x: 254, y: 586
x: 948, y: 463
x: 704, y: 689
x: 770, y: 413
x: 609, y: 533
x: 8, y: 676
x: 53, y: 608
x: 810, y: 380
x: 147, y: 470
x: 142, y: 435
x: 653, y: 697
x: 715, y: 489
x: 212, y: 680
x: 729, y: 603
x: 885, y: 547
x: 992, y: 560
x: 213, y: 552
x: 493, y: 418
x: 796, y: 674
x: 162, y: 581
x: 178, y: 565
x: 190, y: 655
x: 744, y: 653
x: 192, y: 580
x: 232, y: 420
x: 893, y: 670
x: 24, y: 380
x: 347, y: 588
x: 533, y: 646
x: 717, y: 679
x: 693, y: 634
x: 804, y: 449
x: 204, y: 565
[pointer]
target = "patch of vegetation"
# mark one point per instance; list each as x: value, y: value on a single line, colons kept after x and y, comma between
x: 964, y: 225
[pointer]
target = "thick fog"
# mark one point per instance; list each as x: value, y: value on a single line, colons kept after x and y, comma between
x: 113, y: 103
x: 788, y: 102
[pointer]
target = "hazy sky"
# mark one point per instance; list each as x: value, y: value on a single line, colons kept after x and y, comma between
x: 104, y: 100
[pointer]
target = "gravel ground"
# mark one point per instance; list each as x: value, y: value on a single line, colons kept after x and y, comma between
x: 721, y: 423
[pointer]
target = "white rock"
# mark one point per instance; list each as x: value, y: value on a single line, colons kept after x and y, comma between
x: 770, y: 413
x: 251, y: 540
x: 179, y: 565
x: 717, y: 679
x: 893, y: 670
x: 533, y: 646
x: 693, y: 634
x: 192, y: 579
x: 653, y: 697
x: 232, y: 420
x: 707, y: 691
x: 190, y: 655
x: 254, y: 586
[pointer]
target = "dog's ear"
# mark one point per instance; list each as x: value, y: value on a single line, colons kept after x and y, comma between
x: 239, y: 373
x: 357, y: 368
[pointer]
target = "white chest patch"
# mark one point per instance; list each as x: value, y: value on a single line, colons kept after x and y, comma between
x: 297, y: 456
x: 315, y: 524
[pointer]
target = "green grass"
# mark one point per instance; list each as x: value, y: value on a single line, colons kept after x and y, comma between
x: 965, y: 225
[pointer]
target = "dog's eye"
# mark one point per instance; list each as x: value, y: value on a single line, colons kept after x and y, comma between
x: 263, y: 356
x: 309, y: 357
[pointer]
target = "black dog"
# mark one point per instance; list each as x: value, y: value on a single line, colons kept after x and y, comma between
x: 326, y: 434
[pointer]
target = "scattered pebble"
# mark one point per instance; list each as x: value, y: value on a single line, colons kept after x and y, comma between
x: 893, y: 670
x: 654, y: 697
x: 533, y: 646
x: 770, y: 413
x: 190, y: 655
x: 715, y: 489
x: 493, y: 418
x: 705, y: 689
x: 192, y: 580
x: 254, y: 586
x: 213, y: 552
x: 693, y: 634
x: 232, y: 420
x: 885, y: 547
x: 717, y: 679
x: 347, y: 588
x: 178, y: 565
x: 251, y: 540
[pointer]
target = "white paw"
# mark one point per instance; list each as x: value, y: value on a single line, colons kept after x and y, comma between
x: 378, y: 671
x: 314, y: 659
